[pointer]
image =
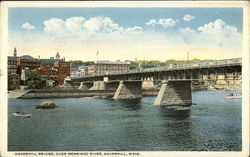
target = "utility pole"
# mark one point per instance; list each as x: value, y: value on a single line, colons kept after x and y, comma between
x: 188, y: 56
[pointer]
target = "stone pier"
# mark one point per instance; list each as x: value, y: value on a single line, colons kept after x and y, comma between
x: 128, y: 90
x: 102, y: 85
x: 86, y: 85
x: 174, y: 93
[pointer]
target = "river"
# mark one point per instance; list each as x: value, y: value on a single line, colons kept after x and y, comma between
x: 91, y: 124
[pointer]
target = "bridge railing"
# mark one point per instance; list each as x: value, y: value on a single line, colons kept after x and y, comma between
x: 192, y: 65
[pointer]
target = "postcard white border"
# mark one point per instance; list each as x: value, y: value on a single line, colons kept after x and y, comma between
x: 180, y: 4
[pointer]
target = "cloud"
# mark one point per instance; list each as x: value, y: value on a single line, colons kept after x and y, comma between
x: 152, y: 22
x: 216, y: 33
x: 79, y: 26
x: 167, y: 22
x: 188, y: 17
x: 54, y: 26
x: 186, y: 30
x: 28, y: 26
x: 74, y: 24
x: 217, y: 27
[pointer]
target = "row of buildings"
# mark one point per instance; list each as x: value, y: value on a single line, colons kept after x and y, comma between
x: 100, y: 67
x: 52, y: 71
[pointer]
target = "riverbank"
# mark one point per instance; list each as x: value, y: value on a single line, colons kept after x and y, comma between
x: 77, y: 93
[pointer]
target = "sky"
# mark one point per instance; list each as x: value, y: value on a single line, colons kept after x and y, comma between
x: 126, y: 33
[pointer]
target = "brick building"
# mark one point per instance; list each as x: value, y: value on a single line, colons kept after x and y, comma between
x: 12, y: 65
x: 54, y: 69
x: 103, y: 67
x: 27, y: 62
x: 50, y: 70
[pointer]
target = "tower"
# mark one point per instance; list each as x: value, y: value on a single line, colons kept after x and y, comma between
x: 15, y: 52
x: 57, y: 56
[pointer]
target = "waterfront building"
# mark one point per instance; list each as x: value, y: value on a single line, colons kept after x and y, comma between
x: 13, y: 77
x: 13, y: 81
x: 27, y: 62
x: 63, y: 70
x: 12, y: 65
x: 79, y: 71
x: 104, y: 67
x: 52, y: 70
x: 74, y: 72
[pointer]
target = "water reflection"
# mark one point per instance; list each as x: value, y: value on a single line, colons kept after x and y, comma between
x: 177, y: 113
x: 133, y: 104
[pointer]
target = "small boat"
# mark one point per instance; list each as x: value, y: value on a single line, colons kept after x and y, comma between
x: 234, y: 96
x: 46, y: 105
x: 22, y: 114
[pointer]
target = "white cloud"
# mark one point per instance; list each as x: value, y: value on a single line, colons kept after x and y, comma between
x: 188, y: 17
x: 167, y: 22
x: 101, y: 24
x: 135, y: 29
x: 216, y: 33
x: 217, y: 27
x: 152, y: 22
x: 186, y: 30
x: 28, y: 26
x: 74, y: 24
x: 54, y: 26
x: 81, y: 27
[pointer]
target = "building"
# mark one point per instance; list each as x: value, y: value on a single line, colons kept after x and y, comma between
x: 13, y: 81
x: 53, y: 70
x: 63, y: 70
x: 12, y: 65
x: 27, y: 62
x: 104, y: 67
x: 13, y: 77
x: 78, y: 72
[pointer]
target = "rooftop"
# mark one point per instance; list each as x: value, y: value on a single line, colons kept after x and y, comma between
x: 50, y: 61
x: 27, y: 57
x: 10, y: 58
x: 111, y: 62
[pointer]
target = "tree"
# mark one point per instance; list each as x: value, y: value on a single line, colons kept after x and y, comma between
x: 33, y: 80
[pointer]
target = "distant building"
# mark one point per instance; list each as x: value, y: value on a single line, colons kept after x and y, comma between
x: 79, y: 71
x: 103, y: 67
x: 12, y: 65
x: 15, y: 52
x: 13, y: 81
x: 63, y: 70
x: 57, y: 55
x: 27, y: 62
x: 13, y: 77
x: 52, y: 71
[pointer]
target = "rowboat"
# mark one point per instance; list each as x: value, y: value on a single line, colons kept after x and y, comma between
x: 21, y: 114
x: 234, y: 96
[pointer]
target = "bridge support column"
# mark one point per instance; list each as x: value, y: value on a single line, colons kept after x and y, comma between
x: 128, y: 90
x: 174, y: 93
x: 86, y: 85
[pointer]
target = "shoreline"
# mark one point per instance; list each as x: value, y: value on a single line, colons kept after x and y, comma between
x: 77, y: 93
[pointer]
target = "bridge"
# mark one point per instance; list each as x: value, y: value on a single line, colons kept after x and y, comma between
x: 176, y: 79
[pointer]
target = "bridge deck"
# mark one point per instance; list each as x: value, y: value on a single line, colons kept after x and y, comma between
x: 173, y: 67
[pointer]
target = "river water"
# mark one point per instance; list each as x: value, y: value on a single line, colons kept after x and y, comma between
x: 91, y: 124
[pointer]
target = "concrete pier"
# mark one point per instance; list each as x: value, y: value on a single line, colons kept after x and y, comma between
x: 86, y: 85
x: 102, y: 85
x: 174, y: 93
x: 128, y: 90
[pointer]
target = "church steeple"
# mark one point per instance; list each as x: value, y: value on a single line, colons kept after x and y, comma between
x: 15, y: 52
x: 57, y: 56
